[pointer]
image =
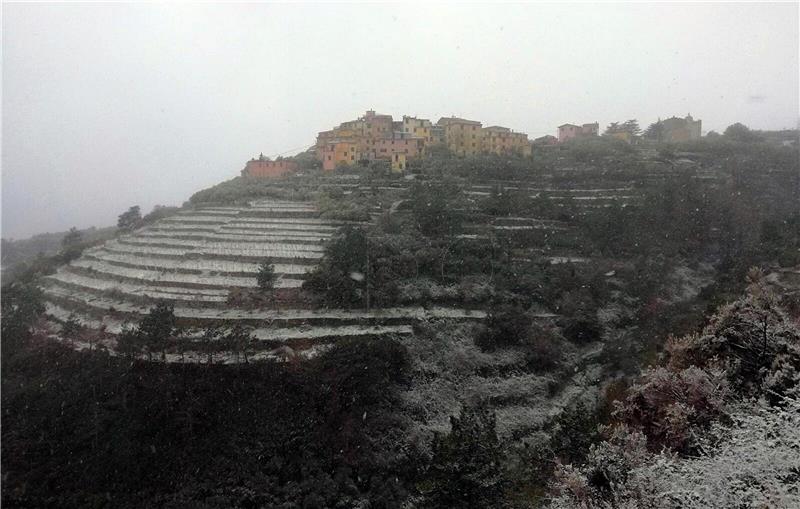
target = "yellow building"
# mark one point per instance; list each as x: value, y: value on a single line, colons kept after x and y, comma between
x: 502, y: 140
x: 463, y: 137
x: 398, y: 162
x: 374, y: 136
x: 418, y: 128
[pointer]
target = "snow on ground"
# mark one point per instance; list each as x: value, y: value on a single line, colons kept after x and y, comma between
x: 265, y: 244
x: 107, y: 270
x: 196, y: 266
x: 284, y: 252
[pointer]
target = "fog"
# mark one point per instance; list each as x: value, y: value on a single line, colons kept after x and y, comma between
x: 107, y: 106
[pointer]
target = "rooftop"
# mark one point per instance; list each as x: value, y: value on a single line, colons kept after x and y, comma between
x: 456, y: 120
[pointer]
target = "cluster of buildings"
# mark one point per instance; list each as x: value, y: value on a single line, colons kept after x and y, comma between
x: 380, y: 137
x: 375, y: 137
x: 670, y: 130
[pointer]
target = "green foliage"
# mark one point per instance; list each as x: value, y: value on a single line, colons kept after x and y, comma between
x: 437, y: 209
x: 506, y: 202
x: 506, y: 324
x: 655, y: 131
x: 240, y: 190
x: 155, y: 435
x: 71, y: 328
x: 240, y: 339
x: 158, y: 327
x: 159, y: 212
x: 130, y: 342
x: 595, y: 149
x: 441, y: 163
x: 211, y: 336
x: 574, y: 430
x: 130, y: 219
x: 356, y: 372
x: 72, y: 238
x: 582, y: 328
x: 740, y: 133
x: 341, y: 277
x: 629, y: 126
x: 22, y: 305
x: 72, y: 245
x: 307, y: 161
x: 334, y: 204
x: 266, y: 277
x: 466, y: 469
x: 543, y: 348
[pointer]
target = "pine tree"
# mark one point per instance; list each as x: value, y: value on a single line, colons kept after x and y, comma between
x: 158, y: 328
x: 130, y: 219
x: 465, y: 470
x: 266, y: 276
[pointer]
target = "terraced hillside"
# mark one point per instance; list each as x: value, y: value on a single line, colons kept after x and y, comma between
x: 196, y: 258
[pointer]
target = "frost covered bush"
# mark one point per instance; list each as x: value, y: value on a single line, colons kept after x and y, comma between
x: 744, y: 454
x: 751, y: 462
x: 670, y: 406
x: 751, y: 339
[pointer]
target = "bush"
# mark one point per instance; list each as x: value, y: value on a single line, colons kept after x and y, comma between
x: 466, y: 470
x: 670, y: 406
x: 543, y: 350
x: 505, y: 324
x: 583, y: 329
x: 751, y: 340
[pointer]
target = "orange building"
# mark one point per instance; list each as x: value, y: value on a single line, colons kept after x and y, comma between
x: 264, y: 167
x: 339, y: 152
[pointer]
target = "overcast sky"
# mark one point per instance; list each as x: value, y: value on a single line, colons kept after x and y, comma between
x: 107, y: 106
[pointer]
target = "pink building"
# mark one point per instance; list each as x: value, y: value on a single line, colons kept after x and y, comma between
x: 567, y: 132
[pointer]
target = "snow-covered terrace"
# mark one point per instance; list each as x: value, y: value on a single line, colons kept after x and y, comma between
x: 101, y: 305
x: 265, y: 244
x: 109, y: 271
x: 193, y: 266
x: 284, y: 252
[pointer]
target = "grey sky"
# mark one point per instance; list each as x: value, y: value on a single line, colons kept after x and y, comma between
x: 107, y: 106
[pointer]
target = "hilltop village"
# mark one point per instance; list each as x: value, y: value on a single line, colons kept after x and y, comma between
x: 349, y: 336
x: 378, y: 137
